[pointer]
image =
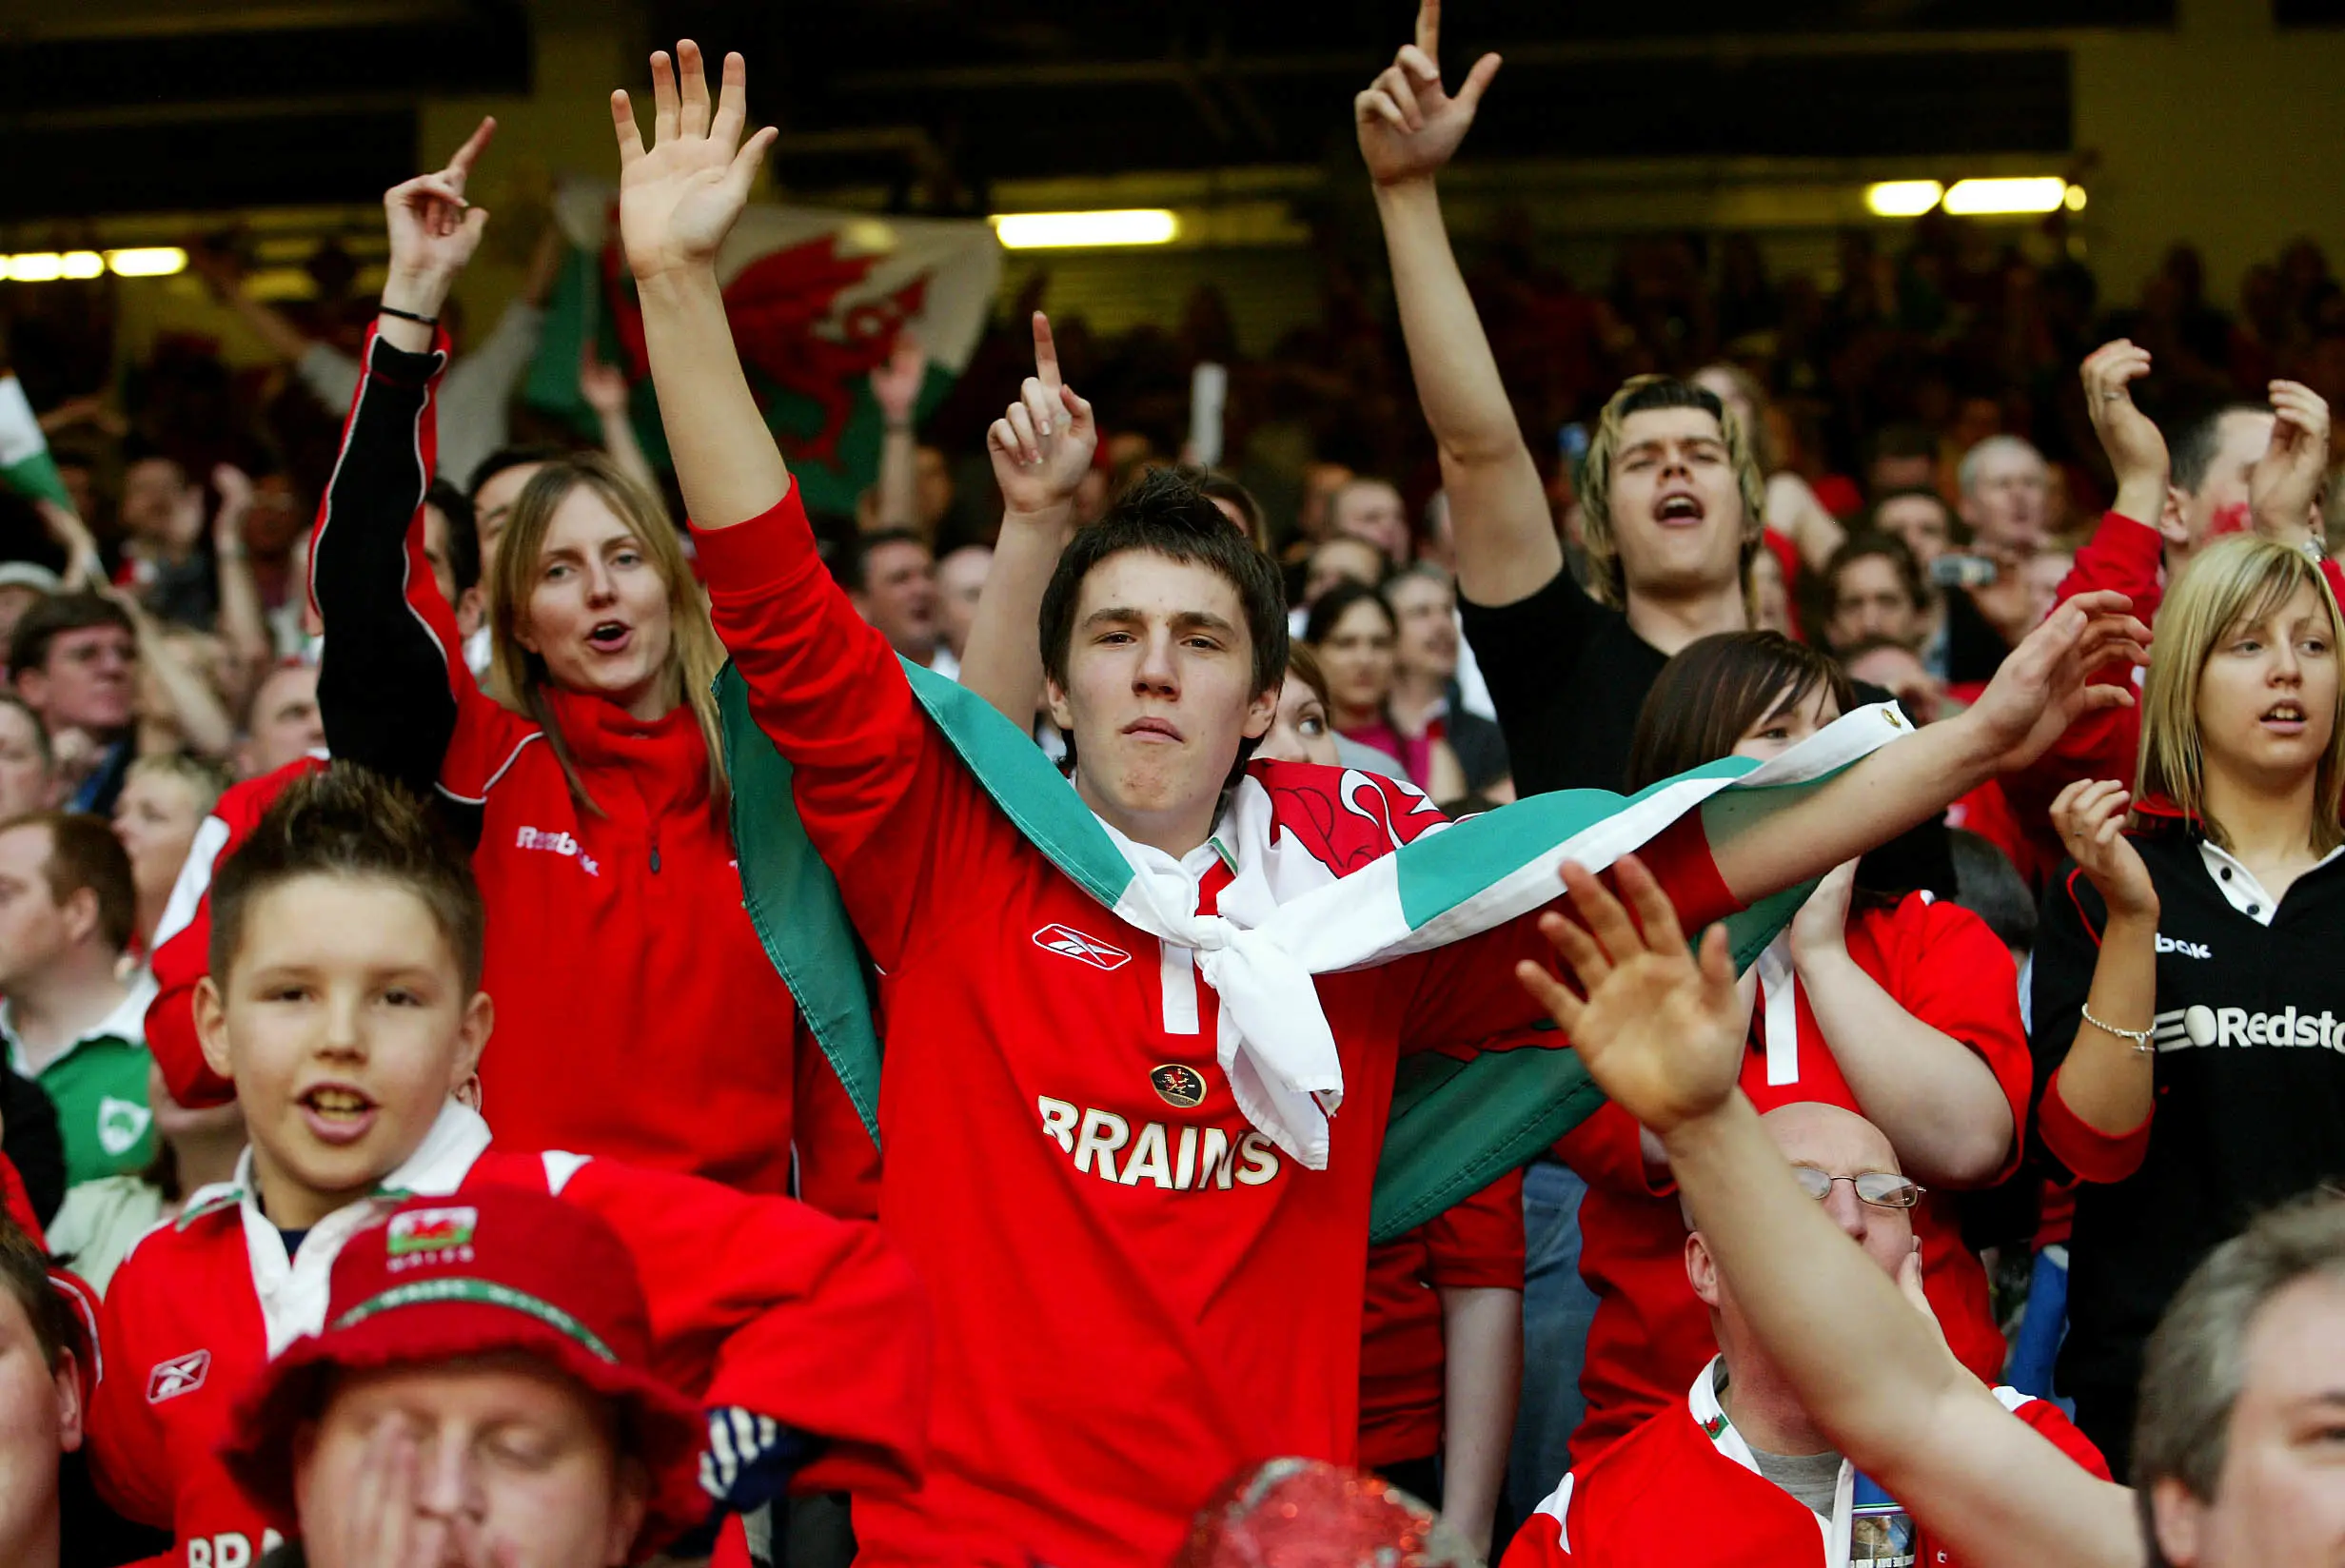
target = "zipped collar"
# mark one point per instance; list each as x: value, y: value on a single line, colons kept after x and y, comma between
x: 293, y: 1291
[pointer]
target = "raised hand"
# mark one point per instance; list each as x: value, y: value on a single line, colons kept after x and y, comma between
x: 2136, y: 450
x: 895, y: 383
x: 227, y: 527
x: 2286, y: 480
x: 604, y: 386
x: 2090, y: 819
x: 2046, y: 682
x: 434, y: 231
x: 1409, y: 125
x: 1042, y: 445
x: 1659, y: 1029
x: 678, y: 201
x: 82, y: 566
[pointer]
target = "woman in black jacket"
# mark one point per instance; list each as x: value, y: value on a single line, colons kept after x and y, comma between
x: 2188, y: 1002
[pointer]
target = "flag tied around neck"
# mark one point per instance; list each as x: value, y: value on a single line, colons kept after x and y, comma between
x: 1334, y: 869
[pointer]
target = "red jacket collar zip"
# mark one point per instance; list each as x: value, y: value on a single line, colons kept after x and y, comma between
x: 662, y: 765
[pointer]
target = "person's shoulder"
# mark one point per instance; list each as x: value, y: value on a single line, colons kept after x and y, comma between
x: 242, y: 803
x: 1924, y: 920
x: 1559, y: 593
x: 92, y: 1206
x: 2052, y: 1423
x: 1658, y: 1452
x: 208, y: 1235
x: 547, y: 1170
x: 1654, y: 1472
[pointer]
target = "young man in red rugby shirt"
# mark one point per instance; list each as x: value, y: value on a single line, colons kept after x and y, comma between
x: 1121, y: 1324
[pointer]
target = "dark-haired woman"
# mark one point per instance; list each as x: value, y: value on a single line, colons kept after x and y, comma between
x: 1903, y: 1009
x: 1355, y: 634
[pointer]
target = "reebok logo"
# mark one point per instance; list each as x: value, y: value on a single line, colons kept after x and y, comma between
x: 1069, y: 943
x: 557, y: 843
x: 2188, y: 950
x: 180, y: 1375
x: 2225, y: 1026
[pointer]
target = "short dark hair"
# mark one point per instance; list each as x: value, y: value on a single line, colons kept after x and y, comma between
x: 854, y: 561
x: 1337, y: 602
x: 1163, y: 511
x: 53, y: 617
x: 1717, y: 687
x: 347, y: 821
x: 2198, y: 438
x: 23, y: 1271
x: 1219, y: 486
x: 1889, y: 548
x: 1988, y: 885
x: 463, y: 533
x: 84, y: 852
x: 509, y: 457
x: 1872, y: 513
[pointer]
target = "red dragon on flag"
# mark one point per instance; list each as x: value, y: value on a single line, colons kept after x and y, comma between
x: 817, y: 300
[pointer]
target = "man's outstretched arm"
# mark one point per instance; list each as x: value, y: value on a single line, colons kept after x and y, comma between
x: 2044, y: 687
x: 1661, y: 1030
x: 678, y: 200
x: 1410, y: 126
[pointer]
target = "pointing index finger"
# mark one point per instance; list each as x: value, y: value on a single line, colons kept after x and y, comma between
x: 1046, y: 355
x: 1428, y: 28
x: 460, y: 164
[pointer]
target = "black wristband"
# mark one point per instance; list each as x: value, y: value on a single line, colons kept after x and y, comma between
x: 409, y: 316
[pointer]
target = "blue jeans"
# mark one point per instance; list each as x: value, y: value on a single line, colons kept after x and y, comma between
x: 1557, y: 1309
x: 2044, y: 1324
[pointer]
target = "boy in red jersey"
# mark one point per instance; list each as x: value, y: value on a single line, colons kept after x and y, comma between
x: 1147, y: 1295
x: 343, y: 1003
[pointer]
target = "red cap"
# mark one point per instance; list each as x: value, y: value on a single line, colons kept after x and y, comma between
x: 497, y: 1269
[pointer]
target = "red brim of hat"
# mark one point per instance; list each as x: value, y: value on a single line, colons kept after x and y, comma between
x: 658, y: 1426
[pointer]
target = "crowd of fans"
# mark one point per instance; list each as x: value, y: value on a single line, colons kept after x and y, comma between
x: 1926, y: 690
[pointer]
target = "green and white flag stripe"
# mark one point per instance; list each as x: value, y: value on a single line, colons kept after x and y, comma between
x: 1455, y: 1125
x: 25, y: 465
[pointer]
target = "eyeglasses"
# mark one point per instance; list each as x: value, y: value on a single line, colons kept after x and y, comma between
x: 1881, y: 1188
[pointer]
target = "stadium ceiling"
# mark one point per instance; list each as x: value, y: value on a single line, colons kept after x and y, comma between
x: 124, y: 105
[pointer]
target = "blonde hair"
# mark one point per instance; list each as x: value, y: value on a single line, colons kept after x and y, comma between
x: 1607, y: 579
x: 206, y: 782
x: 1754, y: 396
x: 2235, y: 579
x: 694, y: 655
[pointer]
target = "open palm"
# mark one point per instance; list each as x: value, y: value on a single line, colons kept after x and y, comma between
x: 680, y: 199
x: 2047, y: 683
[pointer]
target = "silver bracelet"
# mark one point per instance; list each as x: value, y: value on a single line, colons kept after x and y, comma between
x: 2143, y: 1041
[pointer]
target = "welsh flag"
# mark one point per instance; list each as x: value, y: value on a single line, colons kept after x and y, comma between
x: 1332, y: 869
x: 25, y: 465
x: 817, y: 300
